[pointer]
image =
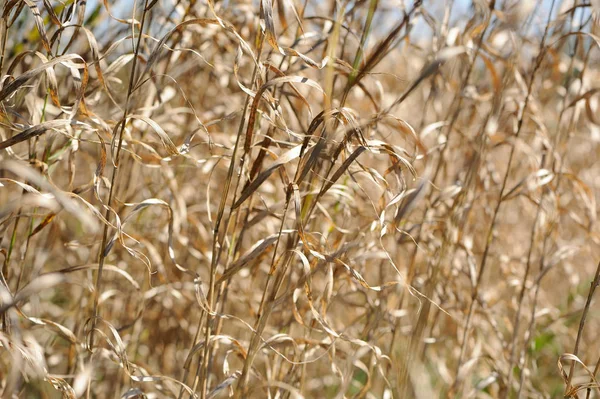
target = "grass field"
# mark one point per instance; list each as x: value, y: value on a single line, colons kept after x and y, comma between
x: 299, y: 199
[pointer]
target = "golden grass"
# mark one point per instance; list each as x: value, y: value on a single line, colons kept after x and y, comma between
x: 287, y: 199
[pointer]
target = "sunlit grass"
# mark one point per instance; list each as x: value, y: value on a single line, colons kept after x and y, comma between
x: 293, y: 199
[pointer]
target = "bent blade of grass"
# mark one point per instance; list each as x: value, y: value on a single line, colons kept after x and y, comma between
x: 30, y: 174
x: 264, y: 175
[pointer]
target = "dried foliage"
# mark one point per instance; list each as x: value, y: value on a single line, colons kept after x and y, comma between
x: 287, y: 199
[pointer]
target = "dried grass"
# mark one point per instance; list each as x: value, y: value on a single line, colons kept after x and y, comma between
x: 289, y: 199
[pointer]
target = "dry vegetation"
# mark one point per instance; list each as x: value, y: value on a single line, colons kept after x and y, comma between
x: 299, y: 198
